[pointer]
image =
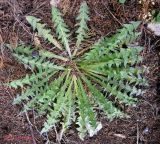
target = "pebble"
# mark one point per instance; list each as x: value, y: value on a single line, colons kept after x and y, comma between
x: 146, y: 131
x: 35, y: 54
x: 154, y: 27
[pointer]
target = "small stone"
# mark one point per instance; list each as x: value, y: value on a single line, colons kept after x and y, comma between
x: 146, y: 131
x: 35, y: 54
x: 154, y: 27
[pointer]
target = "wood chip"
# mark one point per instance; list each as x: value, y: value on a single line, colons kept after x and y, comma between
x: 120, y: 135
x: 1, y: 62
x: 1, y: 40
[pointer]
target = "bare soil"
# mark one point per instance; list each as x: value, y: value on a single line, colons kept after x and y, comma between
x: 143, y: 127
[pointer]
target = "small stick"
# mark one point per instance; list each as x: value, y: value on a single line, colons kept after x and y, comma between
x: 30, y: 126
x: 137, y: 134
x: 113, y: 15
x: 57, y: 135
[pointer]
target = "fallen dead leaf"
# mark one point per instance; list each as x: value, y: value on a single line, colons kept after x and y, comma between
x: 13, y: 40
x: 65, y: 5
x: 37, y: 42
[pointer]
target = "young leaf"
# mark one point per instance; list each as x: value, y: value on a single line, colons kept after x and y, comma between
x: 122, y: 1
x: 53, y: 116
x: 83, y: 17
x: 37, y: 62
x: 28, y: 50
x: 42, y: 31
x: 61, y: 28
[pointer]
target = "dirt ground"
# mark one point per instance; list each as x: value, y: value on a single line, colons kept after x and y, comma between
x: 106, y: 16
